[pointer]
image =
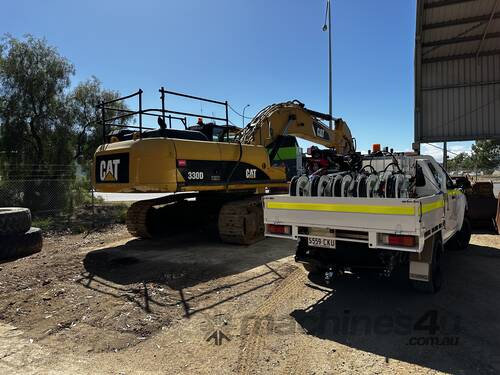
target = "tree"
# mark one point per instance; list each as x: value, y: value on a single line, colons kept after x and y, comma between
x: 44, y: 125
x: 87, y: 118
x: 461, y: 161
x: 34, y: 80
x: 36, y: 124
x: 486, y: 155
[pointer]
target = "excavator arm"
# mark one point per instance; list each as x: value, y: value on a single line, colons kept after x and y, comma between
x: 292, y: 118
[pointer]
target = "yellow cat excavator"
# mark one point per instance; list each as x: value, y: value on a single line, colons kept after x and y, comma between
x: 216, y: 172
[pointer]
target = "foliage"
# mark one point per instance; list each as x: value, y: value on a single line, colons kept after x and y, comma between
x: 45, y: 125
x: 44, y: 223
x: 81, y: 193
x: 35, y: 119
x: 462, y: 161
x: 485, y: 157
x: 83, y: 101
x: 10, y: 194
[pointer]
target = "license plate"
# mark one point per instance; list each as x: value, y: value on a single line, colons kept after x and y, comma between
x: 321, y: 242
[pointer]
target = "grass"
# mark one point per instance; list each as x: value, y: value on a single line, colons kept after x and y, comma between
x: 45, y: 223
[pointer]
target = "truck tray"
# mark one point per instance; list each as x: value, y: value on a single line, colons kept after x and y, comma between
x: 368, y: 217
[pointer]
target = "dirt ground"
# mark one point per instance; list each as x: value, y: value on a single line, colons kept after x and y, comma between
x: 107, y: 303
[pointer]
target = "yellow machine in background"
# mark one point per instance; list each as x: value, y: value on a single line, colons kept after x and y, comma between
x: 292, y: 118
x: 216, y: 171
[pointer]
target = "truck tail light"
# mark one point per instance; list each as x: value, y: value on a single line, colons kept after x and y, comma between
x: 181, y: 163
x: 397, y: 240
x: 279, y: 229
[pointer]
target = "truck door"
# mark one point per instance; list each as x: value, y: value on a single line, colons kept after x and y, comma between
x: 446, y: 184
x: 453, y: 203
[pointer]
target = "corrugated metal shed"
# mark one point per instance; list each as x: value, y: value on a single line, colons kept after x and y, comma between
x: 457, y: 70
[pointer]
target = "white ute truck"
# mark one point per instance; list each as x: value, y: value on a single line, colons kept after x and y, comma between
x: 378, y: 211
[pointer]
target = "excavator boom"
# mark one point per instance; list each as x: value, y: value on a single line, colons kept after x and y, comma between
x: 292, y: 118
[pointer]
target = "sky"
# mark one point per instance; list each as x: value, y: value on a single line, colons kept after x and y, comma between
x: 255, y: 52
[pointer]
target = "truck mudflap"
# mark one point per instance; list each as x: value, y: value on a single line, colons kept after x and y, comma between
x: 364, y: 220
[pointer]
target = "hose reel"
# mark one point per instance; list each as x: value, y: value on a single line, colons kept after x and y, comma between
x: 386, y: 184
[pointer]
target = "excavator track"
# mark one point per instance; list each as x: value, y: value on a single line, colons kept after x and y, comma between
x: 242, y: 221
x: 139, y: 214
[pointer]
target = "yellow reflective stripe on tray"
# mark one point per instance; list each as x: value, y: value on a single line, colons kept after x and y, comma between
x: 428, y: 207
x: 338, y: 207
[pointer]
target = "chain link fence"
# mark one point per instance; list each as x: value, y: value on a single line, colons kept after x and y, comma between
x: 60, y: 197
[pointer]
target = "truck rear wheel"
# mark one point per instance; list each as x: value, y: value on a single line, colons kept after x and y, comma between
x: 433, y: 285
x: 310, y: 268
x: 301, y: 251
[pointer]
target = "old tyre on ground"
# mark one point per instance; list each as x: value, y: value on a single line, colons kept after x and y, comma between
x: 14, y: 220
x: 433, y: 285
x: 21, y: 245
x: 460, y: 240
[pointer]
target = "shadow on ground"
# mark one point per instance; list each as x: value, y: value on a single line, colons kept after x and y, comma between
x: 180, y: 262
x: 456, y: 330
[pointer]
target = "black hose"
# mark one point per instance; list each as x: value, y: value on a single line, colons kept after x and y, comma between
x: 369, y: 165
x: 387, y: 166
x: 235, y: 166
x: 395, y: 162
x: 392, y: 163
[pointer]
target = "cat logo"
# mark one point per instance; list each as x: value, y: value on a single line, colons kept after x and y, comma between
x: 320, y: 132
x: 109, y: 170
x: 112, y: 168
x: 251, y: 173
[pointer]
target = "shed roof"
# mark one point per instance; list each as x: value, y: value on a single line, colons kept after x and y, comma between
x: 460, y: 28
x: 457, y: 70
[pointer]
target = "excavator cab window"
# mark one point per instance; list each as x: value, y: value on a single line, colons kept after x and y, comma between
x: 206, y: 129
x: 216, y: 133
x: 219, y: 134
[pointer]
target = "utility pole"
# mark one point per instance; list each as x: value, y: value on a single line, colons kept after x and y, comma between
x: 329, y: 28
x: 243, y: 116
x: 445, y: 155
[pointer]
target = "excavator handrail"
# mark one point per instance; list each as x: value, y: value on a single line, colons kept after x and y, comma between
x: 161, y: 113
